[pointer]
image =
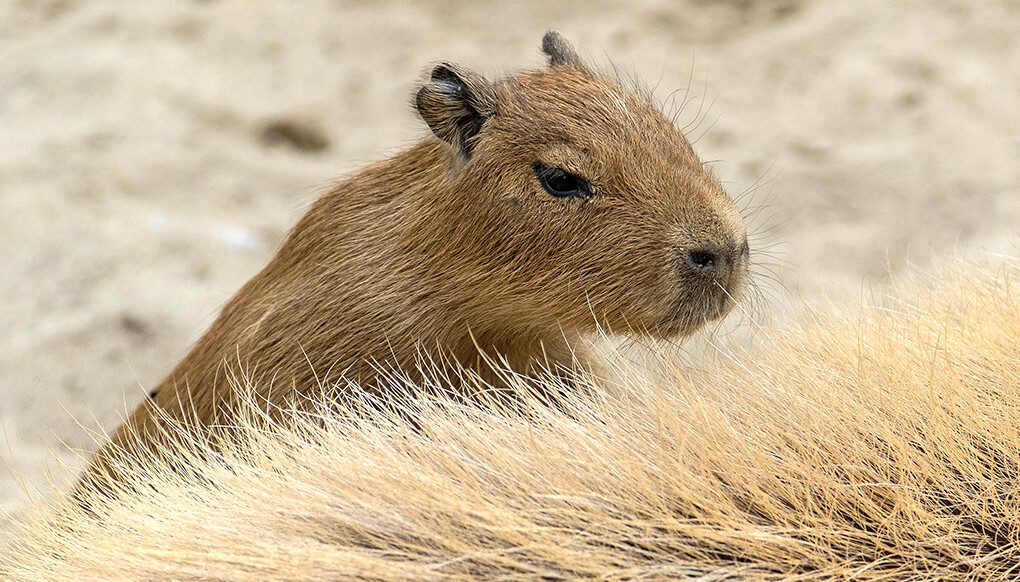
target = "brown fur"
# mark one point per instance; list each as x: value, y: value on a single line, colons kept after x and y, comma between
x: 452, y: 250
x: 876, y: 445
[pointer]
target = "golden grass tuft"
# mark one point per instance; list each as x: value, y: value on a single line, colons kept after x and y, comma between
x: 881, y: 444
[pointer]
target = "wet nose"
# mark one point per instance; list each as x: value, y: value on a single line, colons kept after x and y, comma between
x: 705, y: 260
x: 714, y: 261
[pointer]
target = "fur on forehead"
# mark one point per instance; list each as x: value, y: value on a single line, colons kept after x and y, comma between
x: 455, y: 102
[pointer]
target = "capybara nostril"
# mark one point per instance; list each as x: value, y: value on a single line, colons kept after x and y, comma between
x: 708, y: 261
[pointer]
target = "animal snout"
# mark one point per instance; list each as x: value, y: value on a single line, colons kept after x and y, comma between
x: 705, y: 260
x: 714, y: 261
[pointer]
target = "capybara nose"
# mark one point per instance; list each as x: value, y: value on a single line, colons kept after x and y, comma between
x: 715, y: 262
x: 707, y: 261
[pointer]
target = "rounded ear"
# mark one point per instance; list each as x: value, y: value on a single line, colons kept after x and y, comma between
x: 455, y: 103
x: 560, y: 51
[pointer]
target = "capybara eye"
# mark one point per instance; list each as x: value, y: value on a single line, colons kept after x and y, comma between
x: 562, y: 184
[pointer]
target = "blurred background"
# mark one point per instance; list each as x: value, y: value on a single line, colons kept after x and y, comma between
x: 154, y: 154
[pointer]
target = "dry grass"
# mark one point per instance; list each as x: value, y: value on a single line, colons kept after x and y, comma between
x: 878, y: 445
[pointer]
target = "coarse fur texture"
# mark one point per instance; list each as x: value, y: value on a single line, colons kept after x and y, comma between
x: 544, y: 206
x: 876, y: 444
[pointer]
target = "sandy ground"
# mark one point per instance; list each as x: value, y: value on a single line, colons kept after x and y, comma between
x: 149, y: 163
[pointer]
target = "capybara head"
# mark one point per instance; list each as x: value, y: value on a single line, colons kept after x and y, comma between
x: 549, y: 204
x: 577, y: 202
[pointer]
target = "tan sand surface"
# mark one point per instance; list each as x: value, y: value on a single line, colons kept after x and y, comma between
x: 153, y: 154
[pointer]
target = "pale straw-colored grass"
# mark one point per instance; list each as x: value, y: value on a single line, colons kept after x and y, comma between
x: 878, y: 444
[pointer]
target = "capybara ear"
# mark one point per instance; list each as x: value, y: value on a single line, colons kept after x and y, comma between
x: 455, y: 103
x: 560, y: 51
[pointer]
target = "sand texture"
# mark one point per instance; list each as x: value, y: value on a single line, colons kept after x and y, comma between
x: 154, y: 154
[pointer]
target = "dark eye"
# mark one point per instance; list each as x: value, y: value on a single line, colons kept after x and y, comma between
x: 561, y: 183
